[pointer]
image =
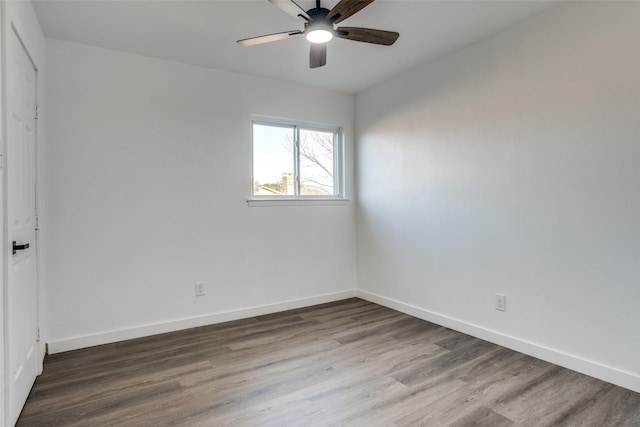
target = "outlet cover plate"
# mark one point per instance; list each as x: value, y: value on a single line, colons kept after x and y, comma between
x: 199, y: 289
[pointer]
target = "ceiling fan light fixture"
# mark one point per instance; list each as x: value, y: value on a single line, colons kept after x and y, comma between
x: 320, y: 35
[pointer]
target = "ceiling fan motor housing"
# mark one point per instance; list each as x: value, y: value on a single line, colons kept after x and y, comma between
x: 318, y: 13
x: 318, y: 17
x: 319, y: 29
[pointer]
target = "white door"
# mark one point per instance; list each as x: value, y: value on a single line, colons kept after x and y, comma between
x: 21, y: 332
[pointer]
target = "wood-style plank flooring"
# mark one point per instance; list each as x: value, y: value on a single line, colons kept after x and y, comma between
x: 348, y: 363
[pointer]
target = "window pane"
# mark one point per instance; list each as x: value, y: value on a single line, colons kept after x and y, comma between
x: 273, y: 161
x: 316, y: 163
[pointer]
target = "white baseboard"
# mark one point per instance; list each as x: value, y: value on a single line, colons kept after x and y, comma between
x: 597, y: 370
x: 84, y: 341
x: 610, y: 374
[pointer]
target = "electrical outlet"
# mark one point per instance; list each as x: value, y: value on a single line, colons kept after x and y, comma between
x: 199, y: 289
x: 501, y: 302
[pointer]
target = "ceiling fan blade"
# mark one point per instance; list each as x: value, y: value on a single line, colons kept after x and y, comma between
x: 268, y: 38
x: 367, y: 35
x: 346, y: 8
x: 318, y: 56
x: 290, y: 7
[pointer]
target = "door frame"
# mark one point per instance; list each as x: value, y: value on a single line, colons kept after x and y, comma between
x: 7, y: 27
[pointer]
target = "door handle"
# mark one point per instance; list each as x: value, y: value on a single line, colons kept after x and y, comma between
x: 17, y: 248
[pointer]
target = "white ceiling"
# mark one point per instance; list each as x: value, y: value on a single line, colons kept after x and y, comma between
x: 204, y: 33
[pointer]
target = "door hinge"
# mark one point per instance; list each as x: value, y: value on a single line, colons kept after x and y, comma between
x: 36, y: 114
x: 37, y: 223
x: 38, y: 334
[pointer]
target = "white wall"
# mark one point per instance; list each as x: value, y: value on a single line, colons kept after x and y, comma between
x: 512, y: 166
x: 148, y: 168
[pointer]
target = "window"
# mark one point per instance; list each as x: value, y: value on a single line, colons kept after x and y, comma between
x: 295, y: 161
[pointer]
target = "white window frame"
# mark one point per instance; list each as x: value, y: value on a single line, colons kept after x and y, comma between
x: 298, y: 199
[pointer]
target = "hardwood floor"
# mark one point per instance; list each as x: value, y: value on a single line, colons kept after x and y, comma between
x: 344, y: 363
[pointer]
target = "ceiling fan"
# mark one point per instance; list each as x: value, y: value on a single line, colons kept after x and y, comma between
x: 319, y: 28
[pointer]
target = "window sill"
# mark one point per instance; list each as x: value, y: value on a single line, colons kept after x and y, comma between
x: 296, y: 202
